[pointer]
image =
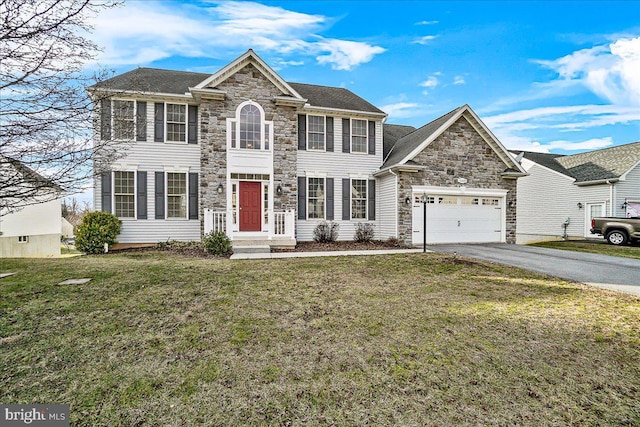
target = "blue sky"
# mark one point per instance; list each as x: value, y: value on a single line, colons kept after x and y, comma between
x: 560, y: 77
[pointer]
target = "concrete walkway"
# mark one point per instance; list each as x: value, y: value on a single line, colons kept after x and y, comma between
x: 325, y: 254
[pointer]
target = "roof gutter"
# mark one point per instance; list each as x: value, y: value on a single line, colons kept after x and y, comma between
x: 399, y: 168
x: 597, y: 182
x: 152, y: 95
x: 309, y: 107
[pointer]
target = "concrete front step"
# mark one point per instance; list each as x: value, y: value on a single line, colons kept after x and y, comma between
x: 250, y: 249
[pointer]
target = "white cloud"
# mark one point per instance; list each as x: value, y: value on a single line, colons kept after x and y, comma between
x: 344, y: 54
x: 427, y: 22
x: 459, y: 80
x: 612, y: 72
x: 431, y: 82
x: 401, y: 110
x: 424, y: 40
x: 525, y: 144
x: 144, y: 32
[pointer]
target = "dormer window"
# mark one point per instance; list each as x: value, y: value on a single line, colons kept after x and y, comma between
x: 248, y: 130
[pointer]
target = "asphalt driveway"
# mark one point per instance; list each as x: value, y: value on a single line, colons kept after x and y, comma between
x: 609, y: 272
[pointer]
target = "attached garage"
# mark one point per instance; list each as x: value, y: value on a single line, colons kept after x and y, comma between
x: 458, y: 215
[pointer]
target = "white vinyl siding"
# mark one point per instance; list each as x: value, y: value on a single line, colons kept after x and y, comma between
x: 153, y: 157
x: 546, y: 199
x: 629, y: 189
x: 387, y: 206
x: 339, y: 165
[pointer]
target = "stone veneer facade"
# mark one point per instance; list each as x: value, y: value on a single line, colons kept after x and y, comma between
x: 247, y: 84
x: 460, y: 152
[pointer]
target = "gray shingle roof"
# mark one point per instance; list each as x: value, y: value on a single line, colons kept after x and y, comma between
x: 154, y: 80
x: 391, y: 134
x: 607, y: 163
x: 405, y: 145
x: 178, y: 82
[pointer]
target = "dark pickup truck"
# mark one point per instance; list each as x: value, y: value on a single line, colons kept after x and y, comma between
x: 617, y: 231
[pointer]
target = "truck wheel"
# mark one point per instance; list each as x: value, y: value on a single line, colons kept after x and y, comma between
x: 617, y: 237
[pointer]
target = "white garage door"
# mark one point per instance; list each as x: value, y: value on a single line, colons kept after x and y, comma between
x: 458, y: 219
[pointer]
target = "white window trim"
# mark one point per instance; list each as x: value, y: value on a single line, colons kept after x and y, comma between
x: 324, y: 179
x: 113, y: 119
x: 135, y: 192
x: 186, y: 124
x: 366, y: 198
x: 324, y: 140
x: 366, y: 136
x: 166, y: 193
x: 23, y: 239
x: 236, y: 119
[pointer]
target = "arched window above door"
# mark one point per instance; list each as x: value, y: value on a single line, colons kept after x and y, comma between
x: 248, y: 130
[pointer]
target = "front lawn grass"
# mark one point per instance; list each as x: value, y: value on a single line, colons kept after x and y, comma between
x: 593, y: 246
x: 411, y: 340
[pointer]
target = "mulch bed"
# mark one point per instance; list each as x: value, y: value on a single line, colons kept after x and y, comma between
x: 342, y: 246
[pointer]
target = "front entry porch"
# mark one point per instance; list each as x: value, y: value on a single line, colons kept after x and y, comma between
x: 277, y: 231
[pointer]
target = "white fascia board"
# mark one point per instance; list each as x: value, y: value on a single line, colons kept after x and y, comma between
x: 432, y: 137
x: 343, y: 112
x: 239, y: 63
x: 597, y: 182
x: 495, y: 140
x: 623, y: 177
x: 458, y: 191
x: 133, y: 94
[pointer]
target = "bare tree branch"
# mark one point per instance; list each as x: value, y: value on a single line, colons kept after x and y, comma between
x: 46, y: 116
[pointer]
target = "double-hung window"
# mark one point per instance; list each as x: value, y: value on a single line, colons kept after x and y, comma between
x: 176, y: 195
x: 358, y: 199
x: 123, y: 120
x: 358, y: 136
x: 315, y: 133
x: 316, y: 198
x: 176, y: 122
x: 124, y: 197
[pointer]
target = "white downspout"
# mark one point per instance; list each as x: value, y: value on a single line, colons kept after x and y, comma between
x: 611, y: 212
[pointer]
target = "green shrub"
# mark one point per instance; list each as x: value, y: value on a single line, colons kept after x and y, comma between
x: 364, y: 232
x: 326, y: 232
x: 217, y: 243
x: 96, y: 229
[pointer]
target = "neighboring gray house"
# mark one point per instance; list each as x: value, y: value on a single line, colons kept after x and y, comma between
x: 562, y: 193
x: 265, y: 160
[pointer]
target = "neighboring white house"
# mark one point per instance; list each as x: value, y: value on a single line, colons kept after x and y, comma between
x: 562, y: 193
x: 32, y: 231
x: 265, y: 160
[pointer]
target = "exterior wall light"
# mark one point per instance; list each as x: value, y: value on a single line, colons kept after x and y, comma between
x: 407, y: 201
x: 220, y: 189
x: 579, y: 205
x: 279, y: 190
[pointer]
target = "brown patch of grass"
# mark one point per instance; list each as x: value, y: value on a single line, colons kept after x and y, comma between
x: 591, y: 246
x: 160, y: 339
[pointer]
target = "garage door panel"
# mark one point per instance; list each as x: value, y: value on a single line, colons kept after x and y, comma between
x: 471, y: 220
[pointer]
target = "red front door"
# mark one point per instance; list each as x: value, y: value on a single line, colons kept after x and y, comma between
x: 250, y: 206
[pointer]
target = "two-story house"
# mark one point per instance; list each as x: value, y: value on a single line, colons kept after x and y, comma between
x: 264, y: 160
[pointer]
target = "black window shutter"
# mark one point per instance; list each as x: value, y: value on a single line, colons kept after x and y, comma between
x: 302, y: 197
x: 159, y: 195
x: 346, y: 199
x: 193, y: 126
x: 302, y: 132
x: 142, y: 195
x: 141, y: 121
x: 346, y: 135
x: 106, y: 192
x: 330, y: 204
x: 372, y: 137
x: 329, y: 134
x: 158, y: 122
x: 371, y: 200
x: 193, y: 195
x: 105, y: 119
